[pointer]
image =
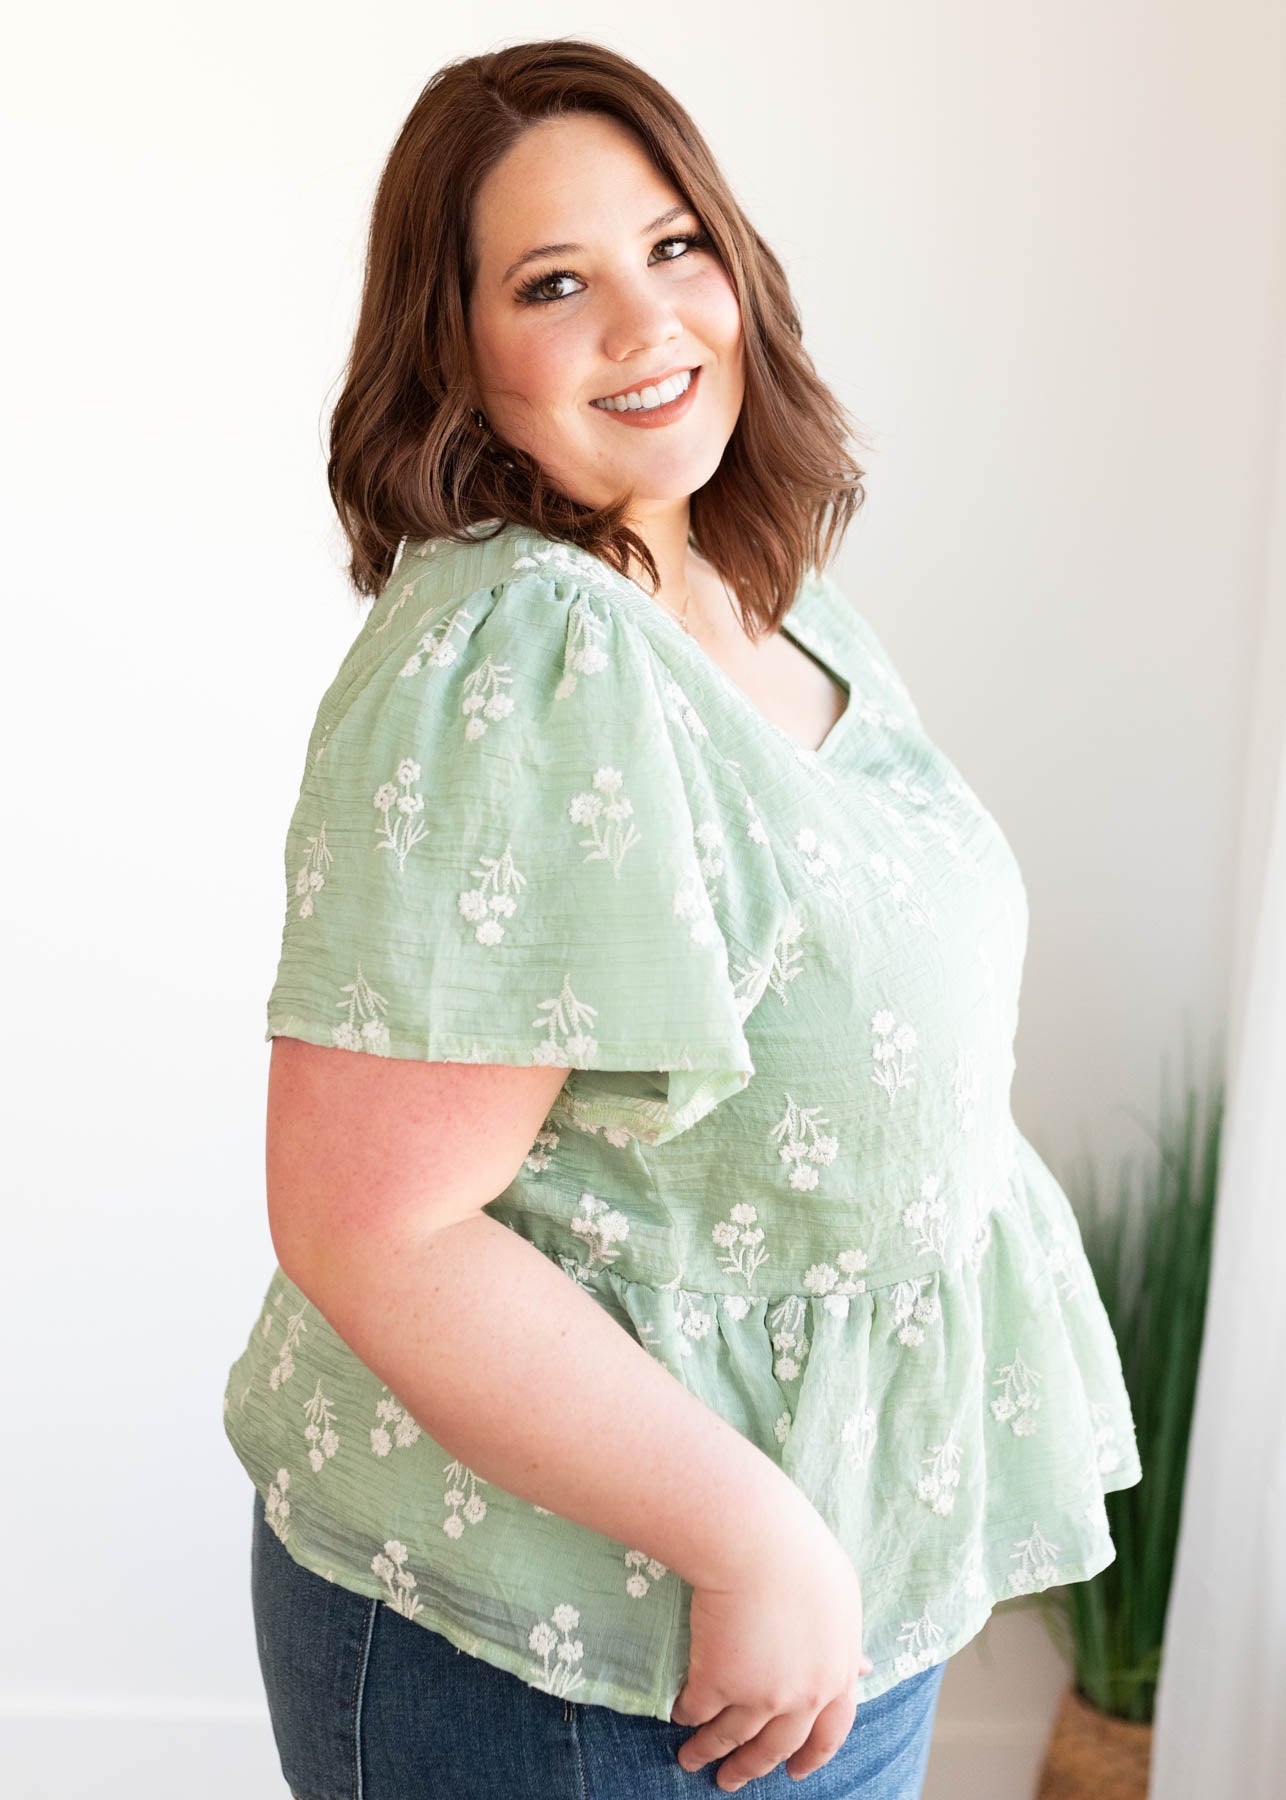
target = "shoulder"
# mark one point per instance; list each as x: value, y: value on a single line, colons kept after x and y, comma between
x: 516, y: 626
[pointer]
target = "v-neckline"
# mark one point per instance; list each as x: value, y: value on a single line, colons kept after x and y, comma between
x: 798, y: 629
x: 796, y: 625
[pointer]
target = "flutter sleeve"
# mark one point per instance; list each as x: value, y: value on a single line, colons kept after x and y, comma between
x: 509, y: 848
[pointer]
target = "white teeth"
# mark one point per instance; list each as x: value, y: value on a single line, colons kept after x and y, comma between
x: 644, y: 399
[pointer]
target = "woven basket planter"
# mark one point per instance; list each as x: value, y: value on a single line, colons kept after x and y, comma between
x: 1093, y: 1755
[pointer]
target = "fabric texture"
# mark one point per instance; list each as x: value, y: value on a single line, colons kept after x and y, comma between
x: 362, y: 1702
x: 537, y: 823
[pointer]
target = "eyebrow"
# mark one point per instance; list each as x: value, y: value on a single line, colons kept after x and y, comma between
x: 666, y: 218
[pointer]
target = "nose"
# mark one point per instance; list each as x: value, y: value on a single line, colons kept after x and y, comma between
x: 640, y: 323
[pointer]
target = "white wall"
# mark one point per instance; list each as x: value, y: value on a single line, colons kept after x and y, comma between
x: 1038, y: 252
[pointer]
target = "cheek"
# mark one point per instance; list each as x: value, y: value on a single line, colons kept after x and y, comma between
x: 526, y: 367
x: 719, y: 318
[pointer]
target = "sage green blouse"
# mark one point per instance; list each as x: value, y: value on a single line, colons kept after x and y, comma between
x: 538, y: 824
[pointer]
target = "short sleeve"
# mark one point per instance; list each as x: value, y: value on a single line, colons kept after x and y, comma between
x: 509, y: 848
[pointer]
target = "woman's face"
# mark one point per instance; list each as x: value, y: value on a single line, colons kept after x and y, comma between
x: 616, y: 303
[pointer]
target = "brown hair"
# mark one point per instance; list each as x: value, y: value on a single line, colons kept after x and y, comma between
x: 407, y: 459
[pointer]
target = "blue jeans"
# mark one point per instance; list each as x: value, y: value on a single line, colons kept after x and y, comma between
x: 367, y: 1705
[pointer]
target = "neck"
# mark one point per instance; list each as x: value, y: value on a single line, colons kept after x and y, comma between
x: 666, y: 535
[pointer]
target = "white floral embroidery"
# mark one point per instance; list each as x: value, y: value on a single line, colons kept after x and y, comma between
x: 554, y: 557
x: 320, y: 1431
x: 973, y: 1582
x: 737, y: 1306
x: 695, y: 1323
x: 980, y: 1243
x: 787, y: 958
x: 937, y: 1487
x: 961, y: 791
x: 941, y: 829
x: 742, y: 1237
x: 692, y: 905
x: 921, y: 1637
x: 582, y: 655
x: 681, y: 709
x: 1065, y: 1262
x: 755, y: 829
x: 806, y: 1147
x: 484, y: 700
x: 402, y: 832
x: 364, y: 1005
x: 607, y: 812
x: 646, y: 1333
x: 967, y: 1087
x: 858, y: 1435
x: 569, y: 1107
x: 913, y: 1309
x: 927, y: 1217
x: 890, y: 1049
x: 603, y: 1228
x: 462, y: 1496
x: 543, y: 1640
x: 565, y: 1014
x: 709, y: 840
x: 311, y: 880
x: 895, y: 817
x: 317, y: 753
x: 494, y: 898
x: 1035, y: 1556
x: 837, y: 1291
x: 912, y: 902
x: 781, y: 1427
x: 645, y: 1570
x: 540, y: 1156
x: 917, y: 792
x: 873, y: 713
x: 407, y: 589
x: 437, y: 650
x: 1018, y: 1398
x: 811, y: 760
x: 1109, y: 1455
x: 399, y: 1581
x: 749, y: 984
x: 822, y: 859
x: 390, y: 1411
x: 789, y: 1337
x: 284, y: 1367
x: 276, y: 1506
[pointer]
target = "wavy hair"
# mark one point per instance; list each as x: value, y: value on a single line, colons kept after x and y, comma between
x: 406, y: 456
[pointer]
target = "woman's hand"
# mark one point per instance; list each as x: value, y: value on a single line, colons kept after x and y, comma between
x: 774, y: 1662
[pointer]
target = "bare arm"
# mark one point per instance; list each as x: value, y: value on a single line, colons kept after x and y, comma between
x: 497, y: 1354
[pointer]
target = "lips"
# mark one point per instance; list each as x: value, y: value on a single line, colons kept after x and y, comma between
x: 652, y: 381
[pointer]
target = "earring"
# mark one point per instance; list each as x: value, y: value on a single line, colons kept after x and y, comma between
x: 479, y: 420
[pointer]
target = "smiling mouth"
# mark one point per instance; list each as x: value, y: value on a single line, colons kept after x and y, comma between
x: 650, y: 397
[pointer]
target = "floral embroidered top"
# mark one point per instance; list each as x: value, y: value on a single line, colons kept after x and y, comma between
x: 539, y: 824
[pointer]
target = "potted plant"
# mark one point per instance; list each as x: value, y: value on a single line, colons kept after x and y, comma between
x: 1151, y: 1261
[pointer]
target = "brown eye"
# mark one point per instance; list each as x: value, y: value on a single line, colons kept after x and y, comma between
x: 530, y: 291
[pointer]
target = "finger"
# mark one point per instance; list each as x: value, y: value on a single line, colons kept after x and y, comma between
x: 830, y: 1729
x: 781, y: 1737
x: 720, y: 1736
x: 694, y: 1711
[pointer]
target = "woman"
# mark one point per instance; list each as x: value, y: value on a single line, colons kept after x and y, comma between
x: 657, y: 1252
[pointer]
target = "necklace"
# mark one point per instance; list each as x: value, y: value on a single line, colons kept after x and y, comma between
x: 681, y: 617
